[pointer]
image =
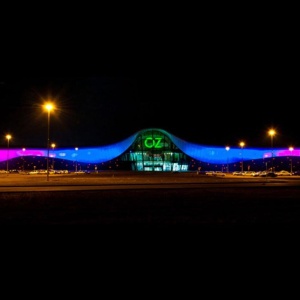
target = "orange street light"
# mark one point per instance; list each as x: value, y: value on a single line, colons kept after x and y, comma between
x: 8, y: 137
x: 242, y: 144
x: 272, y: 132
x: 48, y: 106
x: 291, y: 149
x: 53, y: 146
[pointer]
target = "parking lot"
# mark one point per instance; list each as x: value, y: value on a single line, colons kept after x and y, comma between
x: 154, y: 199
x: 129, y: 178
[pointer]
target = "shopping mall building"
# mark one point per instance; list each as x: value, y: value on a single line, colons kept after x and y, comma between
x: 152, y: 150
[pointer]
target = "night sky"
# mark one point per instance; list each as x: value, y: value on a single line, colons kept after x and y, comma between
x: 213, y: 87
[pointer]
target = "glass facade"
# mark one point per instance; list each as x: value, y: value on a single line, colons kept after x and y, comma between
x: 152, y: 150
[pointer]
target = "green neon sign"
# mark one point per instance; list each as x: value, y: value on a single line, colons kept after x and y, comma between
x: 153, y: 143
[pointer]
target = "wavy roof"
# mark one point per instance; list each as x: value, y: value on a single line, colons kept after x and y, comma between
x: 209, y: 154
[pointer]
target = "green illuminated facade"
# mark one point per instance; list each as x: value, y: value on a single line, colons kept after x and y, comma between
x: 153, y: 150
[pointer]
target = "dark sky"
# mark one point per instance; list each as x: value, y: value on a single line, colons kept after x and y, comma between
x: 213, y: 84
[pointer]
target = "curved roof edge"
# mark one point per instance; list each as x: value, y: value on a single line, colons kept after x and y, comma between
x: 221, y: 155
x: 198, y: 152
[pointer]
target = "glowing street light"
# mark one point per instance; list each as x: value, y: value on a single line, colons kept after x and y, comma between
x: 76, y: 149
x: 227, y: 149
x: 272, y: 132
x: 23, y: 150
x: 48, y: 107
x: 53, y: 146
x: 8, y: 137
x: 242, y: 144
x: 291, y: 149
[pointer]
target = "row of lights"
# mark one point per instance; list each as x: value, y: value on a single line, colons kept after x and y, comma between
x: 271, y: 132
x: 8, y: 137
x: 49, y: 107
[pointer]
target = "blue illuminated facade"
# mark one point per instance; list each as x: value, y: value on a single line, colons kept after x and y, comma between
x: 153, y: 150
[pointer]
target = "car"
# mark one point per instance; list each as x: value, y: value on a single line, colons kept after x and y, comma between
x: 237, y: 173
x: 61, y: 171
x: 82, y: 172
x: 35, y: 172
x: 296, y: 173
x: 215, y: 173
x: 3, y: 172
x: 209, y: 173
x: 256, y: 174
x: 283, y: 173
x: 219, y: 173
x: 248, y: 173
x: 268, y: 174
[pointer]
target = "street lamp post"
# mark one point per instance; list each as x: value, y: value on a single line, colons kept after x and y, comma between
x: 53, y: 146
x: 291, y: 149
x: 23, y: 150
x: 76, y: 149
x: 227, y: 149
x: 242, y: 144
x: 48, y: 107
x: 272, y: 133
x: 8, y: 137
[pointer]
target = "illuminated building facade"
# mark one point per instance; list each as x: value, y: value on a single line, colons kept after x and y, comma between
x: 153, y: 150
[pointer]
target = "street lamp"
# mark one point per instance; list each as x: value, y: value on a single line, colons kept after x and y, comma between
x: 272, y: 132
x: 227, y: 149
x: 53, y: 146
x: 8, y: 136
x: 24, y: 149
x: 76, y: 149
x: 291, y: 149
x: 242, y: 144
x: 48, y: 107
